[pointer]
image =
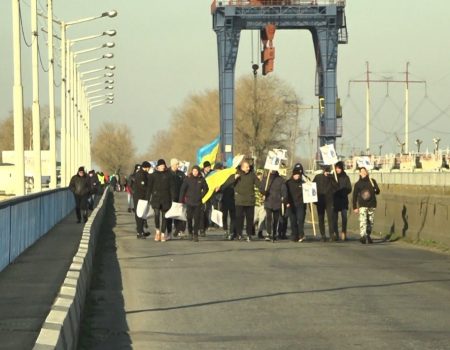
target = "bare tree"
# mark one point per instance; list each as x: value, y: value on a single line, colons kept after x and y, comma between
x: 113, y: 148
x: 266, y: 112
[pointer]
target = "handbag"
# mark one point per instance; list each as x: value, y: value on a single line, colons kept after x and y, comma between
x: 177, y: 211
x: 143, y: 209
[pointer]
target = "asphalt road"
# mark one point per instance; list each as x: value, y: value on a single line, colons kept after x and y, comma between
x: 258, y: 295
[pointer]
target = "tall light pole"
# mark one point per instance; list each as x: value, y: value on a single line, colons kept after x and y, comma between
x: 51, y: 97
x: 18, y: 102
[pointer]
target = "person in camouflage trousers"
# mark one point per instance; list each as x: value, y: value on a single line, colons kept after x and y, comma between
x: 364, y: 204
x: 260, y: 212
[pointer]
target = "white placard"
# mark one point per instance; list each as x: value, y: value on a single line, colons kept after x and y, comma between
x: 329, y: 155
x: 274, y: 159
x: 364, y: 162
x: 309, y: 192
x: 217, y: 217
x: 184, y: 166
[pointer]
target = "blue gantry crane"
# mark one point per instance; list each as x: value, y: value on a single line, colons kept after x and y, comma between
x: 326, y: 21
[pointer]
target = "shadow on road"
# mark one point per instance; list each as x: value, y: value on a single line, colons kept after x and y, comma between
x: 272, y: 295
x: 104, y: 324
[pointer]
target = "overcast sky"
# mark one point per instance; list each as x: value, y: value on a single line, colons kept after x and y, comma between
x: 166, y: 50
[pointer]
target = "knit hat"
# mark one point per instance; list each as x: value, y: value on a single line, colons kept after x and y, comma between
x: 146, y: 165
x: 161, y: 162
x: 206, y: 164
x: 81, y: 168
x: 298, y: 167
x: 326, y: 168
x: 340, y: 165
x: 296, y: 171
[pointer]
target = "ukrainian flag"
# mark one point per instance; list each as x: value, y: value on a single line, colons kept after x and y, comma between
x: 208, y: 152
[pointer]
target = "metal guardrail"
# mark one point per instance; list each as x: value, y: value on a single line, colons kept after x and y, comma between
x: 24, y: 220
x: 222, y: 3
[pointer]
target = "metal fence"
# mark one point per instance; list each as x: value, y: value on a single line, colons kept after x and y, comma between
x: 25, y: 219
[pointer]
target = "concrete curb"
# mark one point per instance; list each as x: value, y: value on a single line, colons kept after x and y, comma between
x: 61, y: 327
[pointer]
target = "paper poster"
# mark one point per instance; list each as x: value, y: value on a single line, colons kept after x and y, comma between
x: 274, y: 159
x: 329, y: 155
x: 364, y: 162
x: 184, y: 166
x: 309, y: 192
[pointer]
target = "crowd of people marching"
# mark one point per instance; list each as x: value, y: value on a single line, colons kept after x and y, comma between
x: 253, y: 205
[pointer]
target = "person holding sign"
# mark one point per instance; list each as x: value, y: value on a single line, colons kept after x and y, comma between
x: 364, y: 204
x: 192, y: 191
x: 274, y: 193
x: 340, y: 204
x: 295, y: 203
x: 326, y: 187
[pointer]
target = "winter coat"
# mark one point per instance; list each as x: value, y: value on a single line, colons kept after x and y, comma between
x: 275, y: 193
x: 161, y: 189
x: 227, y: 191
x: 79, y: 185
x: 364, y: 193
x: 244, y: 189
x: 326, y: 187
x: 192, y: 190
x: 295, y: 192
x: 179, y: 178
x: 94, y: 184
x: 140, y: 185
x: 341, y: 195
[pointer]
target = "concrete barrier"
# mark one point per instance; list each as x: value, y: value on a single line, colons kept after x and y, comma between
x: 412, y: 212
x: 61, y: 327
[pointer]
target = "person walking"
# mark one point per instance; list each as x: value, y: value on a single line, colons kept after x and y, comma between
x: 364, y: 203
x: 228, y: 208
x: 297, y: 208
x: 326, y: 186
x: 192, y: 190
x: 206, y: 207
x: 244, y: 197
x: 131, y: 184
x: 340, y: 202
x: 259, y: 219
x: 161, y: 192
x: 94, y: 188
x: 274, y: 192
x: 79, y: 185
x: 140, y: 191
x: 178, y: 178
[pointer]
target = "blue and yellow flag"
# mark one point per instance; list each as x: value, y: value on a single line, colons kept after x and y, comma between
x: 208, y: 152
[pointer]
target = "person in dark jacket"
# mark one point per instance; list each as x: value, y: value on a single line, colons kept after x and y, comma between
x: 206, y: 207
x: 161, y: 192
x: 178, y: 179
x: 192, y: 190
x: 340, y: 204
x: 94, y: 187
x: 297, y: 208
x: 140, y: 191
x: 79, y: 185
x: 244, y: 197
x: 274, y: 191
x: 228, y: 207
x: 365, y: 203
x: 131, y: 183
x: 326, y: 186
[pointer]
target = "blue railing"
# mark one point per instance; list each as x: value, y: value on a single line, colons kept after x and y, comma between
x: 24, y: 220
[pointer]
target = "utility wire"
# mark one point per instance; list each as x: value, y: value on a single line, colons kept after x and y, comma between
x: 21, y: 27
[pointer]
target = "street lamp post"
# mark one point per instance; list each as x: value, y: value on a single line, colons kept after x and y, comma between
x: 18, y: 102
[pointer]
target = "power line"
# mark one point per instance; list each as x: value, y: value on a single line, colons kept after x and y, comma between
x: 21, y: 27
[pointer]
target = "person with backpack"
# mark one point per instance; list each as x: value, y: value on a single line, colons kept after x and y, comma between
x: 192, y: 190
x: 274, y: 191
x: 94, y: 186
x: 340, y: 204
x: 364, y: 204
x: 161, y: 192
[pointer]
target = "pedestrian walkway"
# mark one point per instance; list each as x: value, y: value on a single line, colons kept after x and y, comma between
x: 259, y: 295
x: 28, y: 287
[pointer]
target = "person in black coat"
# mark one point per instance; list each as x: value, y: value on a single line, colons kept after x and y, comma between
x: 178, y: 179
x: 364, y: 203
x: 161, y: 193
x: 192, y: 191
x: 94, y: 187
x: 274, y: 192
x: 297, y: 208
x: 79, y: 185
x: 140, y: 191
x: 326, y: 187
x: 228, y: 207
x: 340, y: 203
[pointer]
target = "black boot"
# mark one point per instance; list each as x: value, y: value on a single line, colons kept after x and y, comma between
x: 368, y: 239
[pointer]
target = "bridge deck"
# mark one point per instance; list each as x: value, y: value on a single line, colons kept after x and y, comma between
x: 258, y: 295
